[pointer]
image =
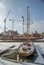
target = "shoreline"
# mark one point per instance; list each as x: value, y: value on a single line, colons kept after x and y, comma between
x: 21, y: 41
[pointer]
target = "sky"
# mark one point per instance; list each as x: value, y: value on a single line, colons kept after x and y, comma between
x: 18, y: 8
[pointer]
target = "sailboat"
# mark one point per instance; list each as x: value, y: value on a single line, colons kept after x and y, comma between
x: 27, y: 48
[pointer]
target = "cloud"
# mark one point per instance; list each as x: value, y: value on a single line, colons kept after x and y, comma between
x: 2, y: 15
x: 37, y: 26
x: 2, y: 6
x: 20, y: 9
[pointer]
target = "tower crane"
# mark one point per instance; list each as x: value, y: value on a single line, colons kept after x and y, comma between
x: 12, y: 23
x: 28, y: 20
x: 5, y: 21
x: 23, y: 23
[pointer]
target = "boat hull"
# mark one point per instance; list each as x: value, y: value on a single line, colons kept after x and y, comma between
x: 26, y: 50
x: 24, y: 54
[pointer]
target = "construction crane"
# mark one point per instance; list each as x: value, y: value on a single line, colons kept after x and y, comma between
x: 28, y: 20
x: 12, y: 23
x: 5, y: 21
x: 23, y: 23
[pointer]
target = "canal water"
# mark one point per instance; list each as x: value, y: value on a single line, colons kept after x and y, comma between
x: 13, y: 56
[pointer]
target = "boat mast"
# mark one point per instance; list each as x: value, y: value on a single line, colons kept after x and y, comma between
x: 28, y: 20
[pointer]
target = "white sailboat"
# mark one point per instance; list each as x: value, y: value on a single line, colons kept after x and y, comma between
x: 26, y: 48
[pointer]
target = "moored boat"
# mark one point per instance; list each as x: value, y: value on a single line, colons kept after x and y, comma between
x: 26, y: 49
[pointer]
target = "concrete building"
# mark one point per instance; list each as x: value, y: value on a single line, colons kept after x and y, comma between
x: 9, y: 33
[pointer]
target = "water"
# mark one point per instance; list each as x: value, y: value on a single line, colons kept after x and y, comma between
x: 17, y: 58
x: 13, y: 56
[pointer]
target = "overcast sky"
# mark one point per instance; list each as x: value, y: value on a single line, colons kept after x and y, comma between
x: 18, y: 9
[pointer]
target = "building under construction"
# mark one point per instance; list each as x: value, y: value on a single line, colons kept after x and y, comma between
x: 12, y: 35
